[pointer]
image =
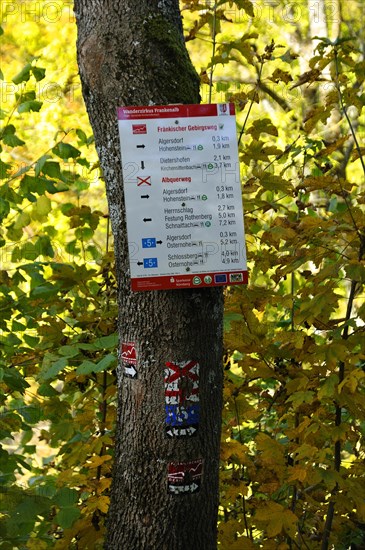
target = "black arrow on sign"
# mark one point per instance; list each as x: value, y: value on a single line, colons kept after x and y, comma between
x: 139, y: 263
x: 159, y: 242
x: 145, y: 196
x: 142, y: 165
x: 140, y: 146
x: 147, y: 219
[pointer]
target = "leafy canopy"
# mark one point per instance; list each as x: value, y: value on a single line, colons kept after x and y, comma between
x: 293, y: 421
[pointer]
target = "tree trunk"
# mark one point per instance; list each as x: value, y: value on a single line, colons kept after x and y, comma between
x: 133, y: 53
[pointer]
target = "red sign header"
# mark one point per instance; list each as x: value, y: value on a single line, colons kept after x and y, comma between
x: 169, y: 111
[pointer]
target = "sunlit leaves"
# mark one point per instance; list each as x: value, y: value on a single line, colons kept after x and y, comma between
x: 9, y: 137
x: 294, y: 351
x: 66, y: 151
x: 276, y: 519
x: 295, y: 339
x: 52, y: 322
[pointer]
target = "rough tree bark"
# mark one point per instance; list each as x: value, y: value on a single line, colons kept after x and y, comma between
x: 133, y: 53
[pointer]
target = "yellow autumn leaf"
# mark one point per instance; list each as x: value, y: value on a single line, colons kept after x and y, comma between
x: 277, y: 519
x: 87, y: 536
x: 230, y: 491
x: 273, y: 545
x: 103, y: 484
x: 69, y: 534
x: 305, y: 451
x: 92, y: 539
x: 294, y: 338
x: 336, y: 351
x: 297, y: 473
x: 70, y: 478
x: 227, y: 532
x: 233, y: 448
x: 96, y: 461
x: 103, y: 504
x: 36, y: 544
x: 360, y: 506
x: 358, y: 153
x: 242, y: 543
x: 272, y: 451
x: 335, y: 146
x: 329, y: 386
x: 352, y: 380
x: 267, y: 509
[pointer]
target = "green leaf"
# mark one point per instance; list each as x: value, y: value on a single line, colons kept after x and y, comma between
x: 84, y: 233
x: 25, y: 96
x: 107, y: 362
x: 9, y: 138
x: 22, y: 220
x: 52, y: 169
x: 43, y: 205
x: 38, y: 73
x: 229, y: 317
x: 66, y: 151
x: 32, y: 341
x: 14, y: 380
x: 44, y: 246
x: 46, y: 290
x: 16, y: 326
x: 31, y: 414
x: 56, y: 367
x: 24, y: 74
x: 4, y: 209
x: 86, y: 367
x: 28, y: 106
x: 4, y: 169
x: 66, y: 497
x: 88, y: 347
x: 22, y: 171
x: 300, y: 397
x: 69, y: 351
x: 82, y: 136
x: 29, y: 251
x: 40, y: 163
x: 30, y: 184
x: 47, y: 390
x: 356, y: 271
x: 66, y: 517
x: 30, y: 508
x: 107, y: 342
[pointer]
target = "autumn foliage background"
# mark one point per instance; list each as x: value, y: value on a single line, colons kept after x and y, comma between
x: 292, y: 458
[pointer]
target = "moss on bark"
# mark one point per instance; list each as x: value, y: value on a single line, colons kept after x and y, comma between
x: 176, y: 69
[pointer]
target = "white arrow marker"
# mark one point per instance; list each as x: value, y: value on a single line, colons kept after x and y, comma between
x: 130, y: 371
x: 176, y: 489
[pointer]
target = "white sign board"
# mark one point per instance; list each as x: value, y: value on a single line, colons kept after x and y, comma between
x: 183, y: 196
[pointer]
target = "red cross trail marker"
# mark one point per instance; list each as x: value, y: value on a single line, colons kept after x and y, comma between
x: 143, y: 181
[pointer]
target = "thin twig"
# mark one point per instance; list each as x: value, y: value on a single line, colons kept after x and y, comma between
x: 344, y: 110
x: 252, y: 102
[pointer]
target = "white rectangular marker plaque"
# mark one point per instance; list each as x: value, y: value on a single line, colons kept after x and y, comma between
x: 183, y: 196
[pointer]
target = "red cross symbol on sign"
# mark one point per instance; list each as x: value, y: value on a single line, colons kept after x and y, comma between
x: 184, y: 369
x: 145, y: 181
